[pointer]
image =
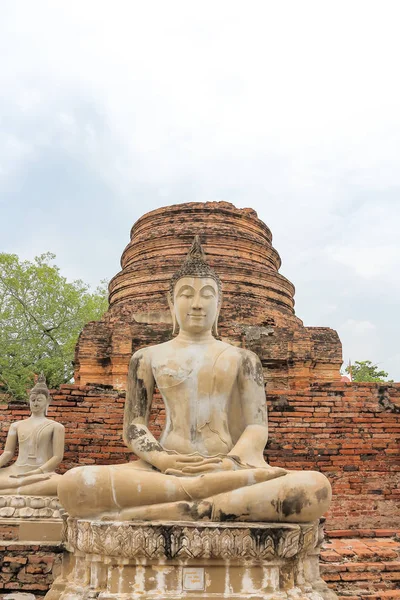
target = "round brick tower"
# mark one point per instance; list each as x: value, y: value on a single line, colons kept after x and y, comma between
x: 238, y: 245
x: 257, y: 309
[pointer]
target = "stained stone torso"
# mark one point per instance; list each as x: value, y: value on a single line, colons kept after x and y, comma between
x: 35, y: 442
x: 197, y: 405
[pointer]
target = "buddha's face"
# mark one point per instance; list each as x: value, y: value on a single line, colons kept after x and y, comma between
x: 38, y: 404
x: 196, y: 303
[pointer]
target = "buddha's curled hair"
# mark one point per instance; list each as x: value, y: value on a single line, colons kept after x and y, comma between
x: 195, y: 265
x: 40, y: 387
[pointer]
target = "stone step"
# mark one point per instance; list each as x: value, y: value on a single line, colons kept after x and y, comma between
x: 362, y: 565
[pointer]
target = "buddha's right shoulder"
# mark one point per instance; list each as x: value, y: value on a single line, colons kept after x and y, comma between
x: 140, y: 355
x: 147, y: 353
x: 14, y: 427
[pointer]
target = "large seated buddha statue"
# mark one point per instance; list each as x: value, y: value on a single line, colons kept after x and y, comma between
x: 208, y: 463
x: 40, y: 450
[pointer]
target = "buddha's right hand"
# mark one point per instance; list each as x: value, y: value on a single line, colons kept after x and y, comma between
x: 173, y: 464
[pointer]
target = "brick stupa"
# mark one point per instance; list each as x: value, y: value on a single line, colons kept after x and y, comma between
x: 257, y: 310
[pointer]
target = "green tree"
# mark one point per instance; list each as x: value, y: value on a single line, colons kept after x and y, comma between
x: 41, y: 315
x: 365, y: 370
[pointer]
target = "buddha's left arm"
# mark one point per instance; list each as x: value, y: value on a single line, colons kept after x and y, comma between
x: 250, y: 446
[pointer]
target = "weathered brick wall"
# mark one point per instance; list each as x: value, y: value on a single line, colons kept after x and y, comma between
x: 29, y: 568
x: 350, y: 432
x: 366, y: 567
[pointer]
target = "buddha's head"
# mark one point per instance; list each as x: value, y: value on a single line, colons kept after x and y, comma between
x: 195, y: 294
x: 39, y: 398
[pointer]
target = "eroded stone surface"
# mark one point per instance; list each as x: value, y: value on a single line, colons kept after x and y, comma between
x: 29, y: 507
x: 173, y: 560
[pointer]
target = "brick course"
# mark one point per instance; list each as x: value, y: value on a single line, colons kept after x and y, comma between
x: 29, y: 568
x: 363, y: 567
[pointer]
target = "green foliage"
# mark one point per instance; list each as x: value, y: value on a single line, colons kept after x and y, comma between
x: 364, y: 370
x: 41, y: 316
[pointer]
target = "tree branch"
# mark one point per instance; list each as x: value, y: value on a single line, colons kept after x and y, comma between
x: 28, y: 311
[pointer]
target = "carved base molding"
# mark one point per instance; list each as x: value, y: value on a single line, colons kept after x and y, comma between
x: 29, y: 507
x: 197, y: 560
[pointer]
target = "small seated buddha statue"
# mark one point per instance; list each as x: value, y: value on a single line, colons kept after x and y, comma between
x: 40, y: 450
x: 208, y: 463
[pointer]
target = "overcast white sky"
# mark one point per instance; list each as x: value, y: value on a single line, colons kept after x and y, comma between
x: 111, y: 109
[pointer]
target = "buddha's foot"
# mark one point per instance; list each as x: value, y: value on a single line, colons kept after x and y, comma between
x: 299, y: 497
x: 31, y: 485
x: 170, y: 511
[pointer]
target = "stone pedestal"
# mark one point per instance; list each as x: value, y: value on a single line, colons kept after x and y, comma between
x: 29, y: 507
x: 31, y: 530
x: 197, y: 560
x: 30, y: 519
